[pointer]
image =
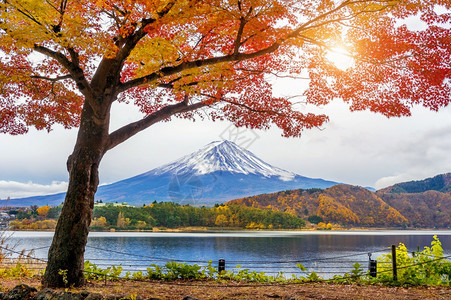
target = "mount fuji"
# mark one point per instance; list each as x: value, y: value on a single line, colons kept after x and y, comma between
x: 219, y: 172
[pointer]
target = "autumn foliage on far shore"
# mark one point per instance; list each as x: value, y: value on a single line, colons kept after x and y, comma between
x: 355, y: 206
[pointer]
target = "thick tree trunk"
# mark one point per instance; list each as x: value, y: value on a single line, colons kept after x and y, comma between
x: 66, y: 254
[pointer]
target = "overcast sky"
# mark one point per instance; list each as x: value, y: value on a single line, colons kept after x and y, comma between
x: 359, y: 148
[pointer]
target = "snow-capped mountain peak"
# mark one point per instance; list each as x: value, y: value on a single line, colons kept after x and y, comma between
x: 223, y: 156
x: 219, y: 172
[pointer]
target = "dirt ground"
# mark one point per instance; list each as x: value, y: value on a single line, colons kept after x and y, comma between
x: 212, y: 290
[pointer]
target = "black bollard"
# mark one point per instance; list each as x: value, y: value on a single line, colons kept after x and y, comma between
x: 372, y: 266
x: 221, y: 265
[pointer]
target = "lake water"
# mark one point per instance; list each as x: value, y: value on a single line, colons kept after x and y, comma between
x: 327, y: 253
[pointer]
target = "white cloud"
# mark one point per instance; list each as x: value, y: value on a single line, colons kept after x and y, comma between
x: 391, y: 180
x: 14, y: 189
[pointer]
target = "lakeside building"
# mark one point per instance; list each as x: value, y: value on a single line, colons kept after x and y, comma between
x: 5, y: 218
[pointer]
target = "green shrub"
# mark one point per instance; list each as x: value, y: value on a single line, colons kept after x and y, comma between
x: 427, y: 267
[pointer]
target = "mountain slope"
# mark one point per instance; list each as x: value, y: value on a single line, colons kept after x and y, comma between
x: 342, y: 204
x: 429, y: 209
x: 216, y: 173
x: 425, y: 203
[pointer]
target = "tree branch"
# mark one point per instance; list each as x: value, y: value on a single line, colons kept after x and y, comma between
x: 126, y: 132
x: 243, y: 22
x: 265, y: 111
x: 111, y: 67
x: 237, y: 56
x: 131, y: 41
x: 311, y: 23
x: 73, y: 67
x: 239, y: 35
x: 195, y: 64
x: 68, y: 76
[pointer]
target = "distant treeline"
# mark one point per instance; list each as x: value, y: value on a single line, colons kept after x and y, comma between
x: 169, y: 215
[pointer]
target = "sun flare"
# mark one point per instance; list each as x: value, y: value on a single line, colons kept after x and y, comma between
x: 340, y: 58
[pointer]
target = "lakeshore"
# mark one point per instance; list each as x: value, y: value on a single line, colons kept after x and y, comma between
x: 202, y: 229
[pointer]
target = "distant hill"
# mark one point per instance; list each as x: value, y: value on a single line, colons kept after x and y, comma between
x: 425, y: 203
x: 341, y: 204
x: 440, y: 183
x: 219, y: 172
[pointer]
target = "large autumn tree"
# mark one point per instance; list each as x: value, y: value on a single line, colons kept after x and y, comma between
x: 67, y: 62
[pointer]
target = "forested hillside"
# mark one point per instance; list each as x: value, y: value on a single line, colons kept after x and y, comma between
x: 440, y: 183
x: 423, y: 204
x: 340, y: 204
x: 428, y: 209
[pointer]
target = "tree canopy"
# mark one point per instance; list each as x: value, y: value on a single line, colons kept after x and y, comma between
x: 217, y: 53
